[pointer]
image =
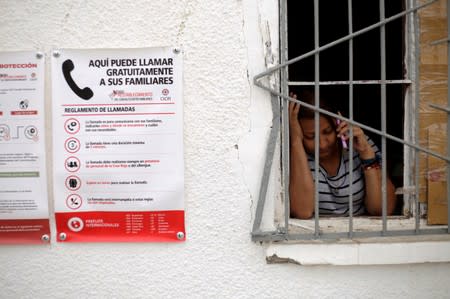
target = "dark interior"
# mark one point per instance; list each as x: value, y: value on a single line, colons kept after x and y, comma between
x: 334, y: 63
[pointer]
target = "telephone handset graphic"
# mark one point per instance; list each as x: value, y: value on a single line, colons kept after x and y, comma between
x: 85, y: 93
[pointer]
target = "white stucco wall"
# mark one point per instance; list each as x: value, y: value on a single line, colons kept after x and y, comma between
x: 226, y: 122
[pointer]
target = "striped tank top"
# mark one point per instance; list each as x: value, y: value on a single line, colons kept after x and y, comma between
x: 334, y: 191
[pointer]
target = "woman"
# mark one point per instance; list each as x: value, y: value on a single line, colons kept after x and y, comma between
x: 334, y: 172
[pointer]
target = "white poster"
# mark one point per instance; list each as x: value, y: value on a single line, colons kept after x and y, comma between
x: 118, y: 144
x: 23, y: 183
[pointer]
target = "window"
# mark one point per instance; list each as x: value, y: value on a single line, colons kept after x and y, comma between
x: 382, y: 69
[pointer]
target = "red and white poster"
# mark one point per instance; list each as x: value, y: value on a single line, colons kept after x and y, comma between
x: 23, y: 181
x: 118, y: 145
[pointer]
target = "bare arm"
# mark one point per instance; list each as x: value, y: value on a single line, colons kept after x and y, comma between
x: 373, y: 175
x: 301, y: 185
x: 374, y: 195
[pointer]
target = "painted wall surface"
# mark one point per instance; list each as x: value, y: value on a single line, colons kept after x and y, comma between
x: 226, y: 123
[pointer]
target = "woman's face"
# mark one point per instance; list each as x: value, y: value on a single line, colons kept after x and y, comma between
x: 327, y: 138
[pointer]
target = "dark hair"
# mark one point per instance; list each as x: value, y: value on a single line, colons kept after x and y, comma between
x: 308, y: 97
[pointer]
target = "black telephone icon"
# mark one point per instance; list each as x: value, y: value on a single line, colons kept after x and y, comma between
x: 85, y: 93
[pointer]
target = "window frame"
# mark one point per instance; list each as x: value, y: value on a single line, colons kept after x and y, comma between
x: 283, y: 223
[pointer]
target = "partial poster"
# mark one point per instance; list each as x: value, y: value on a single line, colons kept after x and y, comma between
x: 118, y: 145
x: 24, y: 214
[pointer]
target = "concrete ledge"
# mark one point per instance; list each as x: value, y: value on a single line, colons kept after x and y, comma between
x: 360, y: 253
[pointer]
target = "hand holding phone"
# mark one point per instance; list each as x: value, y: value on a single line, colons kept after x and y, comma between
x: 343, y: 141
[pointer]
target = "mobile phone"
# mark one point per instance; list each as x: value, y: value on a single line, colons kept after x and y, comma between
x: 343, y: 141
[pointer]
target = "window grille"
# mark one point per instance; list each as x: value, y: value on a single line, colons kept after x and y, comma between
x: 280, y: 73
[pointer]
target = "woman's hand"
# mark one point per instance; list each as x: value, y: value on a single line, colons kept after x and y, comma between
x: 301, y: 184
x: 360, y: 143
x: 295, y: 129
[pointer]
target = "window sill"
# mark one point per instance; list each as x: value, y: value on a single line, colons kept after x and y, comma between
x: 368, y: 251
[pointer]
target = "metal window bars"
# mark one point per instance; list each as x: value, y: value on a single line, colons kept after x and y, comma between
x: 281, y: 71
